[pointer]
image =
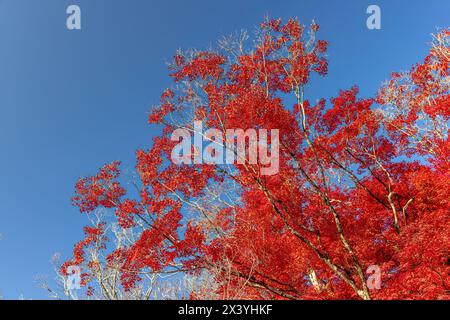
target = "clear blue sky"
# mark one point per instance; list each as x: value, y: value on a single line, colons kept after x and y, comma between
x: 73, y: 100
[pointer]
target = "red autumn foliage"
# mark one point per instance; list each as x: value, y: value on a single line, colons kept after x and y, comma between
x: 362, y: 182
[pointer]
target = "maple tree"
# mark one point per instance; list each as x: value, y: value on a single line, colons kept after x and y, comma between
x: 361, y: 182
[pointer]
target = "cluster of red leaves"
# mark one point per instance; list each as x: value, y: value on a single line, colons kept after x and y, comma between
x: 353, y: 189
x: 422, y: 94
x: 99, y: 190
x: 94, y: 236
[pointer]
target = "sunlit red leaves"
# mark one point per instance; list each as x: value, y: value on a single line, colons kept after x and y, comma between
x: 348, y: 167
x: 203, y: 65
x: 421, y: 95
x: 93, y: 236
x: 125, y: 212
x: 99, y: 190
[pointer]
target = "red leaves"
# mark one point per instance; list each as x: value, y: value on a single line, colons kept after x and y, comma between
x: 94, y: 235
x: 418, y: 96
x: 348, y: 122
x: 292, y: 29
x: 424, y: 245
x: 151, y: 249
x: 192, y: 243
x: 125, y: 211
x: 165, y: 108
x: 275, y: 69
x: 203, y: 65
x: 321, y: 46
x: 359, y: 184
x: 99, y: 190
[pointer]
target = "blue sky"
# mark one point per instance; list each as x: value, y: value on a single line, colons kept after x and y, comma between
x: 71, y: 101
